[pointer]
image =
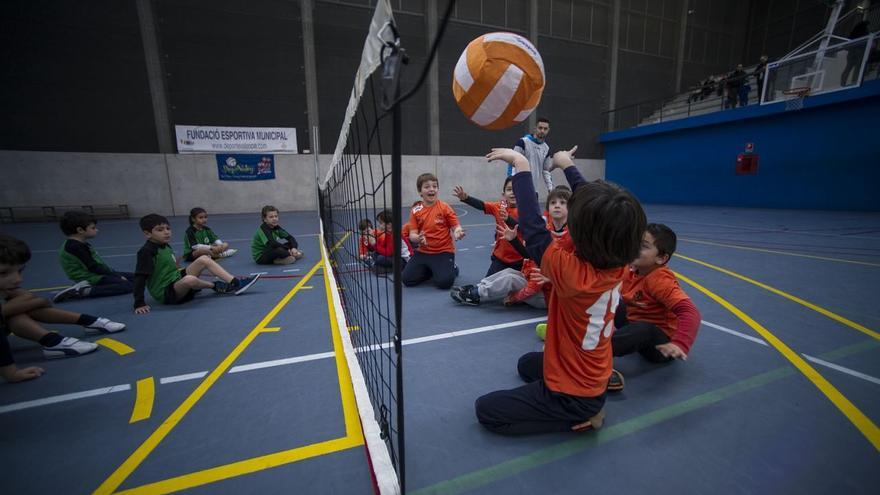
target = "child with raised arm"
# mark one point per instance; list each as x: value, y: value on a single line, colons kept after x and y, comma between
x: 504, y: 255
x: 81, y: 263
x: 526, y: 285
x: 157, y: 270
x: 272, y: 245
x: 432, y: 225
x: 200, y: 240
x: 655, y: 317
x: 23, y: 312
x: 566, y: 383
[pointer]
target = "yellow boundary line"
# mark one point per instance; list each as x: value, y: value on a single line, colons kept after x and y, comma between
x: 137, y: 457
x: 143, y: 401
x: 115, y: 346
x: 353, y: 438
x: 814, y: 307
x: 784, y: 253
x: 856, y: 417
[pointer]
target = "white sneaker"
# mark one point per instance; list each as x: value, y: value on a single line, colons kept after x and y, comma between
x: 103, y: 325
x: 229, y: 252
x: 69, y: 347
x: 72, y: 292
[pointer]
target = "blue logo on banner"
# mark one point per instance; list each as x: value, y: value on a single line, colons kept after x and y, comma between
x: 246, y: 167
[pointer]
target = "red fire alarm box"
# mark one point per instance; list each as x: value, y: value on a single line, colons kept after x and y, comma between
x: 746, y: 163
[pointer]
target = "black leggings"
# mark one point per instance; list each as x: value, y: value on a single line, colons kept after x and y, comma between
x: 112, y: 285
x: 637, y: 336
x: 271, y: 254
x: 438, y: 267
x: 498, y: 265
x: 533, y: 408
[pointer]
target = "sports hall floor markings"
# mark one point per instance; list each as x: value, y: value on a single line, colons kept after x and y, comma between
x: 115, y: 346
x: 143, y: 400
x: 773, y: 251
x: 856, y: 416
x: 807, y: 304
x: 418, y: 340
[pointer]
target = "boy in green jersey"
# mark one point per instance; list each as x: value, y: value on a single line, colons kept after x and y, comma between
x: 81, y: 263
x: 157, y: 270
x: 272, y: 245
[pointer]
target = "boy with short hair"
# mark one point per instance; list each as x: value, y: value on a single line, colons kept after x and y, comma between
x: 526, y: 285
x: 82, y: 265
x: 566, y: 383
x: 655, y: 318
x: 23, y: 311
x: 430, y: 223
x: 504, y: 255
x: 157, y: 270
x: 272, y: 245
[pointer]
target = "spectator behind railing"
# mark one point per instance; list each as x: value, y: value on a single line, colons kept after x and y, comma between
x: 737, y: 87
x: 759, y: 74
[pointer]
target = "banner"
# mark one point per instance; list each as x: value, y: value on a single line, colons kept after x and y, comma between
x: 246, y: 167
x: 196, y: 138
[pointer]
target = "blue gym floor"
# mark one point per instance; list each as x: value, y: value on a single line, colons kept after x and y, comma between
x: 240, y: 407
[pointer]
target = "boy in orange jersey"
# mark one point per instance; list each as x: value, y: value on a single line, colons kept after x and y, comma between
x: 504, y: 255
x: 655, y: 317
x: 430, y: 223
x: 566, y: 383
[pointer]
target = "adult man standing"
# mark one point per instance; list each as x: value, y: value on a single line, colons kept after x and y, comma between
x: 534, y: 147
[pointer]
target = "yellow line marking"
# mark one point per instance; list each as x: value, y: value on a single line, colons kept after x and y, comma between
x: 307, y: 287
x: 143, y: 400
x: 818, y: 309
x: 773, y: 251
x: 45, y: 289
x: 241, y: 468
x: 115, y: 346
x: 353, y: 328
x: 856, y: 417
x: 137, y: 457
x: 353, y: 438
x: 346, y: 389
x: 270, y: 329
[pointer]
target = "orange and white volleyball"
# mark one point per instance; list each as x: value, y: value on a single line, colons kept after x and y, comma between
x: 498, y: 80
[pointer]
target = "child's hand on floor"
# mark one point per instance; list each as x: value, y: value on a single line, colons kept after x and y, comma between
x: 671, y: 350
x: 142, y: 310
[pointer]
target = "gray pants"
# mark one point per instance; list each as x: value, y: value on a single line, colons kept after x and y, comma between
x: 497, y: 286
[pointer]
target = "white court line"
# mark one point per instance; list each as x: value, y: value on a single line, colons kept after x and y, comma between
x: 842, y: 369
x: 64, y: 398
x: 182, y: 378
x: 291, y: 270
x: 463, y: 249
x: 479, y: 247
x: 281, y: 362
x: 259, y: 273
x: 734, y: 333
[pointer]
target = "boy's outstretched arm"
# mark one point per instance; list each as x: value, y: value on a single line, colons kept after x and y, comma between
x: 565, y: 161
x: 466, y: 198
x: 531, y: 224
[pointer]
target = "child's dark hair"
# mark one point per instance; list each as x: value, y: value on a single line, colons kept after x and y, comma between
x: 385, y: 216
x: 266, y: 210
x: 364, y: 224
x: 425, y: 178
x: 606, y: 223
x: 194, y: 213
x: 664, y: 238
x: 71, y: 220
x: 13, y: 251
x: 507, y: 181
x: 561, y: 192
x: 151, y: 221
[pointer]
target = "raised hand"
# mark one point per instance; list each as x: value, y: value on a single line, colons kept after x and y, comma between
x: 459, y: 193
x: 564, y: 159
x: 506, y: 232
x: 504, y: 154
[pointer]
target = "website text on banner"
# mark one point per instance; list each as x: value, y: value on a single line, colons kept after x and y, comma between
x: 213, y: 139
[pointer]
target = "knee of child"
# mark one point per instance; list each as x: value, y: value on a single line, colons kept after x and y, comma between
x: 445, y: 282
x: 203, y: 258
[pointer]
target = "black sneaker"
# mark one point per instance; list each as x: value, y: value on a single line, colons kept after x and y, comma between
x: 220, y: 287
x: 615, y: 381
x: 239, y: 285
x: 466, y: 294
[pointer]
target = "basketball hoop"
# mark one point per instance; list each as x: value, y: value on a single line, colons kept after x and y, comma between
x: 795, y: 97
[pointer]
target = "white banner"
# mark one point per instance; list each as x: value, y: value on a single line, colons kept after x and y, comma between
x: 213, y: 139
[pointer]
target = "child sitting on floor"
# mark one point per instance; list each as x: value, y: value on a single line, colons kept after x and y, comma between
x: 200, y: 240
x: 272, y: 244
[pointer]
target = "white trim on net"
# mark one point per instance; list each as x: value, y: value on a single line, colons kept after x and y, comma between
x: 383, y: 469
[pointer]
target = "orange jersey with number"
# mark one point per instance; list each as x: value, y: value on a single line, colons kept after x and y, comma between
x: 434, y: 221
x: 503, y: 250
x: 650, y: 298
x: 580, y: 321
